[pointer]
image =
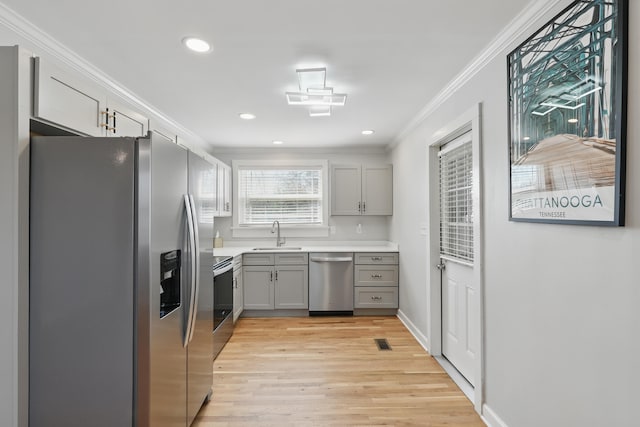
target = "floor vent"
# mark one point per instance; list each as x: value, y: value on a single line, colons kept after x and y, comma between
x: 382, y: 344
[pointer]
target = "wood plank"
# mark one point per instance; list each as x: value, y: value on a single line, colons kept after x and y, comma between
x: 328, y: 371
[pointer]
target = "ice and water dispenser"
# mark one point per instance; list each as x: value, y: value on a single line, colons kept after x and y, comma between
x: 170, y: 289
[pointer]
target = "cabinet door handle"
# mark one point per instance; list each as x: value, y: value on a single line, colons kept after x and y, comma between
x: 271, y: 276
x: 364, y: 207
x: 276, y: 275
x: 108, y: 116
x: 376, y: 258
x: 376, y: 298
x: 360, y: 207
x: 376, y: 276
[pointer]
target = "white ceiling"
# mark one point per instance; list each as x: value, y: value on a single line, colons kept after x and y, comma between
x: 390, y: 56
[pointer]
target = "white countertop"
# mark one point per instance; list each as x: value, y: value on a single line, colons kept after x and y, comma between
x: 233, y: 250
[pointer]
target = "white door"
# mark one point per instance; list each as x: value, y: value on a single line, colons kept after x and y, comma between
x: 460, y: 329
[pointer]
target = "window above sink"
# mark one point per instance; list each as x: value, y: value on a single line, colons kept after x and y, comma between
x: 295, y: 193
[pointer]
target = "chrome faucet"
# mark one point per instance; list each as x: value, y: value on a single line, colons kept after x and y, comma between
x: 274, y: 226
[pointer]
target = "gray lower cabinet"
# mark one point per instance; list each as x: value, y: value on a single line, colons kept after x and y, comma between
x: 292, y: 287
x: 376, y: 275
x: 376, y: 280
x: 376, y: 297
x: 276, y: 281
x: 238, y: 288
x: 258, y: 287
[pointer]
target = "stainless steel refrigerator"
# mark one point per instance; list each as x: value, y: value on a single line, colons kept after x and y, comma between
x: 121, y: 282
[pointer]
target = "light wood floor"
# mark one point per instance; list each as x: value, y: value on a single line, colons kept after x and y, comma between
x: 328, y: 371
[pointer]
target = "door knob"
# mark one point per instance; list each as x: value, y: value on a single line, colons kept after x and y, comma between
x: 441, y: 266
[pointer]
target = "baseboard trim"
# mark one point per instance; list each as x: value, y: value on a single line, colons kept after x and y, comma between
x: 491, y: 418
x: 413, y: 329
x: 462, y: 383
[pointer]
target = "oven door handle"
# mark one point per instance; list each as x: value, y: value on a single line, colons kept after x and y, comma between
x: 222, y: 270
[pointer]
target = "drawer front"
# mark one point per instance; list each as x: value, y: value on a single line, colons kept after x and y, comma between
x: 293, y: 258
x: 377, y: 258
x: 376, y: 297
x: 376, y: 275
x: 258, y: 259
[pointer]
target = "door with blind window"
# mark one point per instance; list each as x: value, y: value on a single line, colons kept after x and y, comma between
x: 460, y: 329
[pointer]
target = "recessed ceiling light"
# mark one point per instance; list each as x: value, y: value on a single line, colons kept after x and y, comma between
x: 196, y: 44
x: 368, y: 132
x: 278, y: 142
x: 572, y: 120
x: 247, y: 116
x: 526, y: 138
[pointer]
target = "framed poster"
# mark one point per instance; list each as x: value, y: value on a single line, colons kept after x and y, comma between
x: 567, y: 117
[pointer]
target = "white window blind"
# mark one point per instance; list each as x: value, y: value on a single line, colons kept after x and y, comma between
x: 291, y: 195
x: 456, y: 215
x: 207, y: 196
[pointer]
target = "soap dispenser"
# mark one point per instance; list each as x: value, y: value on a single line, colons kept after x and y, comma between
x: 217, y: 241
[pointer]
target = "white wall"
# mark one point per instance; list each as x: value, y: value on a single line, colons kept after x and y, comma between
x: 373, y: 227
x: 562, y: 303
x: 14, y: 235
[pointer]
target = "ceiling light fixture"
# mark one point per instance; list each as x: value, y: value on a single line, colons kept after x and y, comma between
x: 314, y: 92
x: 197, y: 45
x: 584, y: 88
x: 543, y: 113
x: 566, y: 106
x: 319, y: 110
x: 278, y: 142
x: 572, y: 120
x: 368, y: 132
x: 247, y: 116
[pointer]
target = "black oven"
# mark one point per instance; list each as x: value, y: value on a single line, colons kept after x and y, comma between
x: 222, y: 302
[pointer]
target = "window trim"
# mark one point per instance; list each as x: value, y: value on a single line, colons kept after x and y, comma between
x: 290, y: 230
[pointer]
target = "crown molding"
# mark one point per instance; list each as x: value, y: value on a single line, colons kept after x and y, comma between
x: 345, y: 150
x: 45, y: 43
x: 515, y: 30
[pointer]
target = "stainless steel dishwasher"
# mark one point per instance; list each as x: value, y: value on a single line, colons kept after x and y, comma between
x: 330, y: 283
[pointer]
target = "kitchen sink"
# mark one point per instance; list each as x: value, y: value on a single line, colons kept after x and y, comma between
x: 281, y: 248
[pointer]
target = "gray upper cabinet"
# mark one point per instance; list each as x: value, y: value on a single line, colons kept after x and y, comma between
x: 346, y: 190
x: 68, y: 100
x: 377, y: 190
x: 361, y: 190
x: 158, y: 129
x: 125, y: 121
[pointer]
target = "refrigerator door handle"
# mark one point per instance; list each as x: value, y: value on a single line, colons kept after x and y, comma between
x: 192, y: 268
x: 196, y: 282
